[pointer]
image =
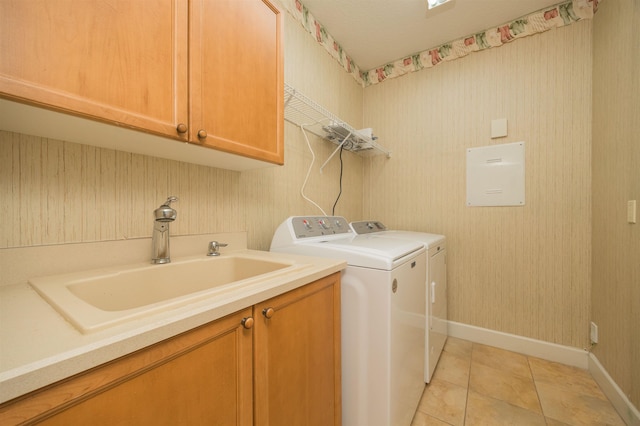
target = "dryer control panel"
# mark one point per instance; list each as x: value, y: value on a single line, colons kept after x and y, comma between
x: 367, y: 227
x: 316, y: 226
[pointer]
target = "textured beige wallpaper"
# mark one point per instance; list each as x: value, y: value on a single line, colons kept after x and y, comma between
x: 521, y: 270
x: 271, y: 195
x: 60, y: 192
x: 616, y: 180
x: 56, y: 192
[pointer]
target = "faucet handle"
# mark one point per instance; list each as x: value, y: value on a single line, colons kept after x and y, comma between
x: 170, y: 199
x: 214, y: 246
x: 165, y: 213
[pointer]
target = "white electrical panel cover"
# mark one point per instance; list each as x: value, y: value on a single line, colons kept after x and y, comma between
x: 495, y: 175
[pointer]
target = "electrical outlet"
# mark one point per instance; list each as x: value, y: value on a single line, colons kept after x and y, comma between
x: 594, y: 332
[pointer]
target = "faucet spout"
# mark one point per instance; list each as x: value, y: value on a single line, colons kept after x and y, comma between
x: 163, y: 216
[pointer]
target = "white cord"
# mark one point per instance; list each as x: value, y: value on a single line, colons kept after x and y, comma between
x: 313, y: 159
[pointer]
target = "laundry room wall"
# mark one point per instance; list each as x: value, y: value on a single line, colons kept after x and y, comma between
x: 271, y: 195
x: 616, y: 180
x: 520, y: 270
x: 56, y: 192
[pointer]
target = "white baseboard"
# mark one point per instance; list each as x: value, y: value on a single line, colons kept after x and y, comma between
x: 625, y: 408
x: 524, y: 345
x: 552, y: 352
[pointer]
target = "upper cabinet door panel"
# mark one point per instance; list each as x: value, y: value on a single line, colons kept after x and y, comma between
x: 237, y: 77
x: 120, y: 61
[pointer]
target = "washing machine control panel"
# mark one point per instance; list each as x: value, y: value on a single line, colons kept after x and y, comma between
x: 316, y: 226
x: 367, y: 227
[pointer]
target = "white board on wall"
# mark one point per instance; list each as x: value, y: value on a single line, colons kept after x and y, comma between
x: 495, y: 175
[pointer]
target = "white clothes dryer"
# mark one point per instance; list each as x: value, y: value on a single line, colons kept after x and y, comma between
x: 382, y: 316
x: 436, y: 282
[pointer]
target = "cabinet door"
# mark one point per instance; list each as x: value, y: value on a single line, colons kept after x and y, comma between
x: 297, y: 356
x: 201, y: 377
x: 236, y: 77
x: 119, y: 61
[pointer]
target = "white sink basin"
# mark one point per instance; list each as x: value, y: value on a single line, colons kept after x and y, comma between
x: 94, y: 300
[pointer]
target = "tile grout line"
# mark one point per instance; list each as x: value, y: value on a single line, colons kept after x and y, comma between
x: 466, y: 402
x: 535, y: 385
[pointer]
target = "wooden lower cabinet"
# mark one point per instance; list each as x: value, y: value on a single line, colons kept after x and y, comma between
x: 200, y: 377
x: 283, y: 371
x: 297, y: 357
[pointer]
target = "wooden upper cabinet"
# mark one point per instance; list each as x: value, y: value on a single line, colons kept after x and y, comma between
x: 236, y: 76
x: 203, y: 71
x: 121, y: 61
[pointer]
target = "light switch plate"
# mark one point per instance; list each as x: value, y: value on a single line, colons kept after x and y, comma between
x: 594, y: 332
x: 498, y: 128
x: 631, y: 211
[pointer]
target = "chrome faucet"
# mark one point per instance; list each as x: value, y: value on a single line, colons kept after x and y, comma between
x: 163, y: 216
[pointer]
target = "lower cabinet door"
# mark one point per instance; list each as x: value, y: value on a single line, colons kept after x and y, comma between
x: 201, y: 377
x: 297, y: 356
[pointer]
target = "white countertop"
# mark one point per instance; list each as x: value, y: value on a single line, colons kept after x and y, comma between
x: 39, y: 347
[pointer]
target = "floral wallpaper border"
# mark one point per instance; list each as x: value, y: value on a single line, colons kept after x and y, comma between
x: 562, y: 14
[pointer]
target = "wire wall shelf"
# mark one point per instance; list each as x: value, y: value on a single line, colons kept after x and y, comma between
x: 304, y: 112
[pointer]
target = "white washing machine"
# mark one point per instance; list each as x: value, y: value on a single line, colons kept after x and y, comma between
x: 436, y: 281
x: 383, y: 316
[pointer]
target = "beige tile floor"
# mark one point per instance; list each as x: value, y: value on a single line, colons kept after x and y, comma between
x: 476, y: 384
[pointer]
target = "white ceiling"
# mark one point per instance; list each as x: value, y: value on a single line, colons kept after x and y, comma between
x: 376, y: 32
